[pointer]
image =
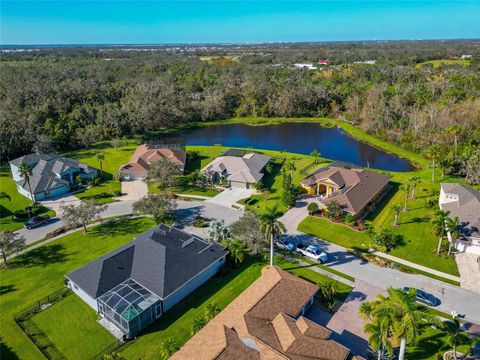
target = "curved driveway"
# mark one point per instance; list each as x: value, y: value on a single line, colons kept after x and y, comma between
x: 186, y: 211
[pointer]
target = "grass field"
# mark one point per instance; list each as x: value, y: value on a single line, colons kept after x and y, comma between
x: 41, y: 271
x: 71, y: 325
x: 12, y: 201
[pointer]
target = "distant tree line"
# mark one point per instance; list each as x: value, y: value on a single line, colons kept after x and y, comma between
x: 64, y: 99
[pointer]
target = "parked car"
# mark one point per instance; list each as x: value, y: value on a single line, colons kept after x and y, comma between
x: 285, y: 244
x: 299, y: 248
x: 36, y: 221
x: 314, y: 253
x: 424, y: 297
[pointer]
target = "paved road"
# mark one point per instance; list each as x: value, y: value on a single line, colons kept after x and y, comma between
x: 465, y: 302
x: 187, y: 211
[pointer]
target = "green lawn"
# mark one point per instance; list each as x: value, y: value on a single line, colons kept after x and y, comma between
x: 69, y: 321
x: 440, y: 62
x: 12, y: 201
x: 114, y: 158
x: 41, y: 271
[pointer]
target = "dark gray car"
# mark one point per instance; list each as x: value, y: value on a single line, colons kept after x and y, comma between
x: 424, y: 297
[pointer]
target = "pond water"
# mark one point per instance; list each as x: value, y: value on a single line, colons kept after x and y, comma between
x: 332, y: 143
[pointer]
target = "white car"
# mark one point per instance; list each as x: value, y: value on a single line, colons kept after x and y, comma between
x: 314, y: 253
x: 285, y: 245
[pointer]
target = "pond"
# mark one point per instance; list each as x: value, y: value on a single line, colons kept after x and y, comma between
x: 332, y: 143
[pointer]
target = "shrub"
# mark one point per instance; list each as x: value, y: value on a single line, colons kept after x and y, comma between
x: 117, y: 193
x: 96, y: 181
x: 313, y: 208
x: 349, y: 219
x: 56, y: 232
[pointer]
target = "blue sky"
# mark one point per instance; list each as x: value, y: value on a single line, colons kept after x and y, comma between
x: 155, y: 22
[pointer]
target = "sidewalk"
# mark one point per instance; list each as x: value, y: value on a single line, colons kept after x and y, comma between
x: 416, y: 266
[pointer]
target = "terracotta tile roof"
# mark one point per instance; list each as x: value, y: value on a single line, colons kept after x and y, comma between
x: 356, y: 187
x: 262, y: 319
x: 139, y: 162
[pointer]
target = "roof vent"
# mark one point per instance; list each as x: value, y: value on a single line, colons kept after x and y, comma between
x: 205, y: 249
x: 187, y: 242
x: 249, y: 343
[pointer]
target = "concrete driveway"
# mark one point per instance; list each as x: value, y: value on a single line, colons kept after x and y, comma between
x: 57, y: 203
x: 230, y: 196
x: 346, y: 325
x: 133, y: 190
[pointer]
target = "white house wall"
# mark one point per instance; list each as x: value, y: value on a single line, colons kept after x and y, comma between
x: 15, y: 173
x: 83, y: 295
x: 193, y: 284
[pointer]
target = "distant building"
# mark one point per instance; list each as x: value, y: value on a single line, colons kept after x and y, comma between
x: 266, y: 321
x: 135, y: 284
x: 464, y: 202
x: 145, y: 155
x: 305, y: 66
x: 52, y: 175
x: 241, y: 169
x: 355, y: 190
x: 465, y: 57
x: 366, y: 62
x: 324, y: 62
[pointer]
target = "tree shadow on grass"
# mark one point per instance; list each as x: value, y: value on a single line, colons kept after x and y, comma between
x: 198, y: 298
x: 269, y: 178
x: 6, y: 352
x: 5, y: 289
x: 194, y: 164
x: 415, y: 220
x: 42, y: 256
x: 117, y: 228
x: 427, y: 346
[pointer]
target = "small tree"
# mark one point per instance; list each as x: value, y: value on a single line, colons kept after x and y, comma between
x: 25, y: 172
x: 334, y: 210
x: 236, y: 252
x: 456, y: 336
x: 316, y: 156
x: 82, y: 214
x: 406, y: 189
x: 211, y: 311
x: 247, y: 231
x: 100, y: 157
x: 160, y: 206
x: 396, y: 209
x: 453, y: 230
x: 10, y: 243
x: 197, y: 325
x: 116, y: 143
x: 414, y: 180
x: 313, y: 208
x: 218, y: 232
x: 328, y: 290
x: 433, y: 153
x: 386, y: 240
x: 168, y: 347
x: 349, y: 219
x: 439, y: 223
x: 164, y: 173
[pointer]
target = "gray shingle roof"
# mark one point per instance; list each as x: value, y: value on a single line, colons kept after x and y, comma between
x: 44, y: 170
x: 467, y: 208
x: 161, y: 259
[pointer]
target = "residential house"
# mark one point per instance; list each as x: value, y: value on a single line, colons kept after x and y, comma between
x: 241, y: 169
x: 147, y: 154
x: 135, y: 284
x: 266, y: 321
x: 305, y: 66
x: 464, y: 202
x: 52, y: 175
x: 355, y: 190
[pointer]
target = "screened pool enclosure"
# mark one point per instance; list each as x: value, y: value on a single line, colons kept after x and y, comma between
x: 130, y: 307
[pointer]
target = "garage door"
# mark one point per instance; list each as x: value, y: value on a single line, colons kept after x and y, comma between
x: 237, y: 184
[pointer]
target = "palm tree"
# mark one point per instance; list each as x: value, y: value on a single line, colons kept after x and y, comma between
x: 396, y: 208
x: 316, y: 156
x: 211, y: 311
x: 100, y: 157
x: 379, y: 337
x: 290, y: 166
x: 414, y: 180
x: 454, y: 130
x: 236, y: 251
x: 197, y: 325
x: 432, y: 153
x: 168, y: 347
x: 328, y: 289
x: 456, y: 335
x: 440, y: 226
x: 405, y: 187
x: 408, y: 315
x: 453, y: 230
x: 271, y: 227
x: 25, y: 173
